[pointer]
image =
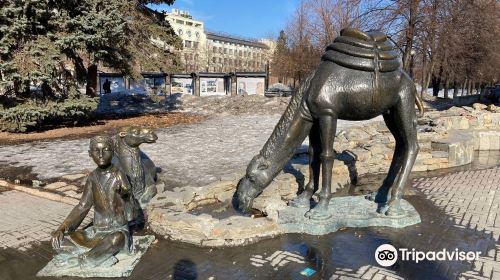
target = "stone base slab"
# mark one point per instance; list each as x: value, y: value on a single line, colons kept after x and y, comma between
x: 122, y: 268
x: 351, y: 211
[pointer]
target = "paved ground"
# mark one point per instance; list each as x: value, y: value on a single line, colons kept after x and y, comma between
x: 471, y: 199
x: 194, y: 154
x: 28, y: 219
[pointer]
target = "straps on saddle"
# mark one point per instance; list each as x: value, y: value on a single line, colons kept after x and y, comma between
x: 366, y: 51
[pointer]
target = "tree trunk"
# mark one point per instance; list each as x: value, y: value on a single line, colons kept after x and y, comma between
x: 463, y: 88
x: 469, y: 88
x: 91, y: 89
x: 410, y: 34
x: 436, y: 81
x: 455, y: 89
x: 446, y: 86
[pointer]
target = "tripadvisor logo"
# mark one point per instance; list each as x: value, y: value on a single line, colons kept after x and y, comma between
x: 387, y: 255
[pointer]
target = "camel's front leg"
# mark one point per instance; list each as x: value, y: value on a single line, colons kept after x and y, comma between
x: 328, y: 126
x: 303, y: 200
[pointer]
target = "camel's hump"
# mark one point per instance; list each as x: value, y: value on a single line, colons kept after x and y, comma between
x: 366, y: 51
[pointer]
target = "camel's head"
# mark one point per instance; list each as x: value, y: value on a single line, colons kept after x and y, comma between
x: 134, y: 136
x: 252, y: 184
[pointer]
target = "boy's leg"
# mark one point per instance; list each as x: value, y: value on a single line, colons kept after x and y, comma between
x: 108, y: 246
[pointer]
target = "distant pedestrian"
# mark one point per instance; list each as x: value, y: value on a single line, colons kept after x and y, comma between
x: 106, y: 86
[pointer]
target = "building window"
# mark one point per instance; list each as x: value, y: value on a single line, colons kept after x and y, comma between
x: 225, y: 50
x: 220, y: 60
x: 188, y: 33
x: 195, y: 45
x: 214, y: 59
x: 179, y: 31
x: 197, y: 34
x: 187, y: 44
x: 215, y: 49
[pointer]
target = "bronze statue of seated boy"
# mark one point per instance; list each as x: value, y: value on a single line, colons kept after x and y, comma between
x: 107, y: 190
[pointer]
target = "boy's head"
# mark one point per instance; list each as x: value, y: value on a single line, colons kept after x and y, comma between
x: 101, y: 150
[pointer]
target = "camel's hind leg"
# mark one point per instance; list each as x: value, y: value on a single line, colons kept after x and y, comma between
x: 303, y: 199
x: 404, y: 119
x: 380, y: 196
x: 328, y: 126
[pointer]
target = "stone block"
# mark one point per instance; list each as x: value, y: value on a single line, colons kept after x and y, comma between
x: 478, y: 106
x: 459, y: 145
x: 351, y: 211
x: 378, y: 149
x: 68, y: 188
x: 422, y: 156
x: 484, y: 143
x: 362, y: 154
x: 495, y: 142
x: 125, y: 263
x: 438, y: 165
x: 431, y: 161
x: 356, y: 134
x: 419, y: 168
x: 55, y: 185
x: 439, y: 154
x: 73, y: 194
x: 73, y: 177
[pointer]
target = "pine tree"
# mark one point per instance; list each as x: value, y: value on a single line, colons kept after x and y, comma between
x: 279, y: 66
x: 38, y: 39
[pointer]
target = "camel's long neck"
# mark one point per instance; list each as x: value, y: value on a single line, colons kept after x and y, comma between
x: 279, y: 148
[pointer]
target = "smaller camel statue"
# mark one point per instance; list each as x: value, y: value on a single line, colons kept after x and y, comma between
x: 359, y: 77
x: 138, y: 167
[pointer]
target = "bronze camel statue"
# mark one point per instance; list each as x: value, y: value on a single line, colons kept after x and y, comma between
x: 359, y: 77
x: 137, y: 166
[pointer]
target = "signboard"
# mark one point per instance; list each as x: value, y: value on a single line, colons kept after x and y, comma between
x: 250, y: 85
x: 212, y: 86
x: 148, y: 84
x: 182, y: 85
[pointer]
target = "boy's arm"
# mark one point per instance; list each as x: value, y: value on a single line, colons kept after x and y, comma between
x: 76, y: 216
x: 79, y: 212
x: 124, y: 187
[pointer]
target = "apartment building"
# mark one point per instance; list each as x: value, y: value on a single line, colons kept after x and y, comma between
x: 216, y: 52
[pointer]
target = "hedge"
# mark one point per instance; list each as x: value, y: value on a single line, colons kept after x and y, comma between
x: 29, y: 117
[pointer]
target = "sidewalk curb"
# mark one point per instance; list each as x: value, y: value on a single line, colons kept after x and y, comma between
x: 42, y: 194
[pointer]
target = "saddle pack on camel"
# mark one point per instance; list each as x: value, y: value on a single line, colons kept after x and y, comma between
x: 367, y: 51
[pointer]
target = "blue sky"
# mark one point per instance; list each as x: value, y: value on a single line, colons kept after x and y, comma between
x: 247, y: 18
